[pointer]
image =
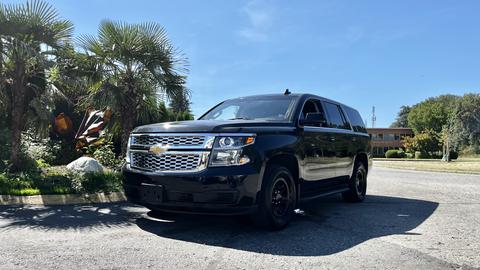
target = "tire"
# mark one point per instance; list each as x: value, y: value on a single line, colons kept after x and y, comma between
x: 357, y: 184
x: 277, y: 199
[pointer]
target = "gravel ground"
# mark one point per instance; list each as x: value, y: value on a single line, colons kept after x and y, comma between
x: 411, y: 220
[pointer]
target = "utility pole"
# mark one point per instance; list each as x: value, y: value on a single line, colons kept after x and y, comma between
x: 374, y: 118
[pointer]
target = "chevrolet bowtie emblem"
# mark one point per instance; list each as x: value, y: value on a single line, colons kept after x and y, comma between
x: 157, y: 149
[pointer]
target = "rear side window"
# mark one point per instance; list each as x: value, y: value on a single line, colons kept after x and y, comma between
x: 335, y: 116
x: 356, y: 120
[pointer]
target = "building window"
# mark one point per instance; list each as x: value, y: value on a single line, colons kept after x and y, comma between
x: 377, y: 137
x: 389, y: 137
x: 397, y: 137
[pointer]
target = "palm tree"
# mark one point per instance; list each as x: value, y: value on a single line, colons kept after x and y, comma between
x: 136, y: 62
x: 30, y: 34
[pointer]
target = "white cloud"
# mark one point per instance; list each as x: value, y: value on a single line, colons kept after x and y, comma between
x: 260, y: 14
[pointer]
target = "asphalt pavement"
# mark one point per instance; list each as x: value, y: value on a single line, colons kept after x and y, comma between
x: 410, y: 220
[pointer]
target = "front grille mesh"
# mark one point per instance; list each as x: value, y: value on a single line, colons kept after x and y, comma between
x: 149, y: 140
x: 166, y: 162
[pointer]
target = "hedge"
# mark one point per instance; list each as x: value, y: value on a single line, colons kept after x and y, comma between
x: 392, y: 153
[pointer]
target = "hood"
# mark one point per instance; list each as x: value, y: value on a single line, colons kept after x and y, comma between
x: 213, y: 126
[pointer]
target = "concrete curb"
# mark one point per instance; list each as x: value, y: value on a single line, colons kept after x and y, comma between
x: 64, y: 199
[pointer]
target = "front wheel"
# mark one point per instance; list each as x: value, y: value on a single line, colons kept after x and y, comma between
x: 277, y: 199
x: 357, y: 184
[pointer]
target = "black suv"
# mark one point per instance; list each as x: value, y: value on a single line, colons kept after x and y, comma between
x: 259, y: 155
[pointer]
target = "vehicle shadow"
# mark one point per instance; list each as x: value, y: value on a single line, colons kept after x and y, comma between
x: 69, y: 217
x: 327, y: 226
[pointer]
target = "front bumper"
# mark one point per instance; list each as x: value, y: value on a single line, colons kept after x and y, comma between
x: 222, y: 190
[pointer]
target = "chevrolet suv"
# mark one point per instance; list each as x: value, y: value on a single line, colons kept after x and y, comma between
x: 259, y: 155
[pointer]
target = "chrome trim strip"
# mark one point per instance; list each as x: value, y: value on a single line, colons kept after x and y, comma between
x: 207, y: 140
x: 195, y: 134
x: 334, y: 130
x: 207, y: 144
x: 157, y: 173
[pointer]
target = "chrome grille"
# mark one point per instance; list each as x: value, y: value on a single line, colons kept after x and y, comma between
x: 169, y: 161
x: 148, y: 140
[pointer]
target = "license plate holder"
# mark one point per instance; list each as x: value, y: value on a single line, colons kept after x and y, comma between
x: 151, y: 193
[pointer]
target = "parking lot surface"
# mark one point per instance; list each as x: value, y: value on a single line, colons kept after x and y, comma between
x: 410, y: 220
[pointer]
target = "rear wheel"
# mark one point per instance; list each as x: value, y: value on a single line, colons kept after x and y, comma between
x: 277, y: 199
x: 357, y: 184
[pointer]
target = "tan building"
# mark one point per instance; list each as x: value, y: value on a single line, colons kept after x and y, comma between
x: 384, y: 139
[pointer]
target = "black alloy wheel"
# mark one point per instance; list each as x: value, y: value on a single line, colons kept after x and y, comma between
x: 357, y: 184
x: 277, y: 199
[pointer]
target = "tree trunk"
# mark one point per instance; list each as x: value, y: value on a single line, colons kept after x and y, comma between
x: 128, y: 113
x: 17, y: 116
x: 129, y: 117
x: 1, y: 64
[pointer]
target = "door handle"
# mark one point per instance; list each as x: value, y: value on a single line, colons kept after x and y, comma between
x: 332, y: 139
x: 354, y: 139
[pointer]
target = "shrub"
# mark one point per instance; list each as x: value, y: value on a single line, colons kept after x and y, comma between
x: 401, y: 154
x: 59, y: 183
x: 453, y: 155
x: 29, y: 165
x: 421, y: 155
x: 470, y: 151
x: 42, y: 164
x: 4, y: 143
x: 97, y: 182
x: 392, y: 153
x: 106, y: 156
x: 34, y: 184
x: 409, y: 155
x: 53, y: 152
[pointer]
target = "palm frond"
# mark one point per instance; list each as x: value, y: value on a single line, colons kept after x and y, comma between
x: 35, y: 21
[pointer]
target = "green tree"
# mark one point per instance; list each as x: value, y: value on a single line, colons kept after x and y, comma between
x: 409, y: 144
x: 432, y: 113
x: 135, y: 61
x: 29, y: 35
x: 180, y: 103
x: 464, y: 125
x: 428, y: 141
x: 402, y: 118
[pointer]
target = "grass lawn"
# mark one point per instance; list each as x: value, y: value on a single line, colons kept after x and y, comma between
x: 461, y: 165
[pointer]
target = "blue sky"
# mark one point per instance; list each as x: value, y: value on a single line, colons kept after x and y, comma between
x: 362, y: 53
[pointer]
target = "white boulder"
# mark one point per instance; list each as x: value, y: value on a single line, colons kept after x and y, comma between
x: 85, y: 164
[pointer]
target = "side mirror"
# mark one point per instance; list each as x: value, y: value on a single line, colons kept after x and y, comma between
x: 313, y: 119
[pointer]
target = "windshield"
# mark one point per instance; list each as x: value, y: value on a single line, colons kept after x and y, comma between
x: 262, y: 108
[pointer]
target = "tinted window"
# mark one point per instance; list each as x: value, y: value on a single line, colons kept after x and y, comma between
x: 312, y: 106
x: 356, y: 120
x: 309, y: 107
x: 335, y: 116
x: 261, y: 108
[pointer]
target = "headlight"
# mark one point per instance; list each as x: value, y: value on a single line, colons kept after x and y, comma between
x: 226, y: 142
x: 227, y: 150
x: 127, y: 154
